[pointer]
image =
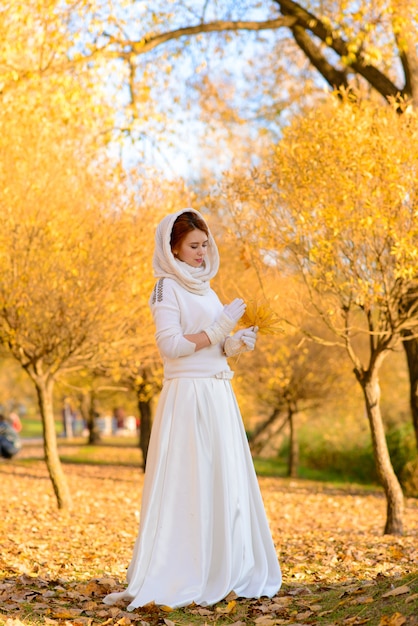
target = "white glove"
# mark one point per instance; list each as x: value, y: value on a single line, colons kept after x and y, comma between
x: 227, y: 321
x: 242, y: 341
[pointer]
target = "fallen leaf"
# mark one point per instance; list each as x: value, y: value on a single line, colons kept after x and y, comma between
x: 323, y: 613
x: 204, y: 612
x: 114, y: 610
x: 412, y: 598
x: 89, y: 589
x: 89, y: 605
x: 279, y: 603
x: 304, y: 615
x: 229, y: 608
x: 361, y: 600
x: 66, y: 613
x: 231, y: 596
x: 398, y: 591
x: 300, y: 591
x: 107, y: 582
x: 265, y: 621
x: 397, y: 619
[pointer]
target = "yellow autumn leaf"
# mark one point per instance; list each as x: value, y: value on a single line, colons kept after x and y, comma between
x: 397, y: 619
x: 259, y: 313
x: 230, y: 608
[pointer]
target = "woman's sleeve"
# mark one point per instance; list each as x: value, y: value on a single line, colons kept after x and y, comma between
x: 169, y: 333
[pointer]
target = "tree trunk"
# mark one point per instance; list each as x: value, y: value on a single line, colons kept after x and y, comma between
x: 145, y: 414
x: 89, y: 413
x: 394, y: 497
x: 93, y: 428
x: 293, y: 463
x: 44, y: 389
x: 253, y: 437
x: 411, y: 350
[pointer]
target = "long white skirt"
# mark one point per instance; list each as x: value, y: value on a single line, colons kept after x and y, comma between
x: 203, y: 531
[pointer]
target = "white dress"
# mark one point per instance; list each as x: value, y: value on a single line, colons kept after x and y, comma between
x: 203, y: 530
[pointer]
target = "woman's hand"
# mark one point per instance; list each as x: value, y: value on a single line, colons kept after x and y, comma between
x: 236, y: 309
x: 243, y: 341
x: 226, y: 322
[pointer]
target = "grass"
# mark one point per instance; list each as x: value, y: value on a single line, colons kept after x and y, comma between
x: 125, y: 451
x: 275, y: 467
x: 32, y: 427
x: 106, y: 453
x: 353, y: 463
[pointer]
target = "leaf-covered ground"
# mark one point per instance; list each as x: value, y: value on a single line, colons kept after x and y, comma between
x: 337, y: 566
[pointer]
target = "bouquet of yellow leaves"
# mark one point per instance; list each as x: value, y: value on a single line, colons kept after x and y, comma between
x: 259, y: 313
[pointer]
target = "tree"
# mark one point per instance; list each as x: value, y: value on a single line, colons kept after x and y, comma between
x: 337, y: 205
x: 343, y: 42
x: 142, y: 55
x: 291, y: 375
x: 136, y: 52
x: 65, y: 291
x: 157, y: 65
x: 87, y: 391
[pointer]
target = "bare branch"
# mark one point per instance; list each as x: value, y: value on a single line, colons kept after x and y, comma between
x: 337, y: 79
x: 153, y: 41
x: 310, y: 22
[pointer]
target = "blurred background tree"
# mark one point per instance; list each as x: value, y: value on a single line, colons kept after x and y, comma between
x: 337, y: 202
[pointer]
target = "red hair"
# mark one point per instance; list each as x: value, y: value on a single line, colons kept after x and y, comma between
x: 184, y: 224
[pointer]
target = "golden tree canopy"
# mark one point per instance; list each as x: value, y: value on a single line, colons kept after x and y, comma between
x: 338, y: 203
x: 64, y: 256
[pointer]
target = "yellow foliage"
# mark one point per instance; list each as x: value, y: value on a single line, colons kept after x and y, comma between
x: 259, y: 313
x: 336, y: 206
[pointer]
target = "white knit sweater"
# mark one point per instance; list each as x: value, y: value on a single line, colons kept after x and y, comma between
x: 178, y: 312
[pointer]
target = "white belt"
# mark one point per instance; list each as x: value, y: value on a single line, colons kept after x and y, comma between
x: 226, y: 375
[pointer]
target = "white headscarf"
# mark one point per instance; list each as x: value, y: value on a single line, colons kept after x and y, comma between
x: 194, y: 279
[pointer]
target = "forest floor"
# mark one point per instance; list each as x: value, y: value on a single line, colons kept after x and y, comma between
x: 338, y: 567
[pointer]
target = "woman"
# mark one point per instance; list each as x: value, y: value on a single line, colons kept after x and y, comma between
x: 203, y: 530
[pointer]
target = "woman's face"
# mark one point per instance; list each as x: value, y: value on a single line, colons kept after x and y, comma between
x: 192, y: 250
